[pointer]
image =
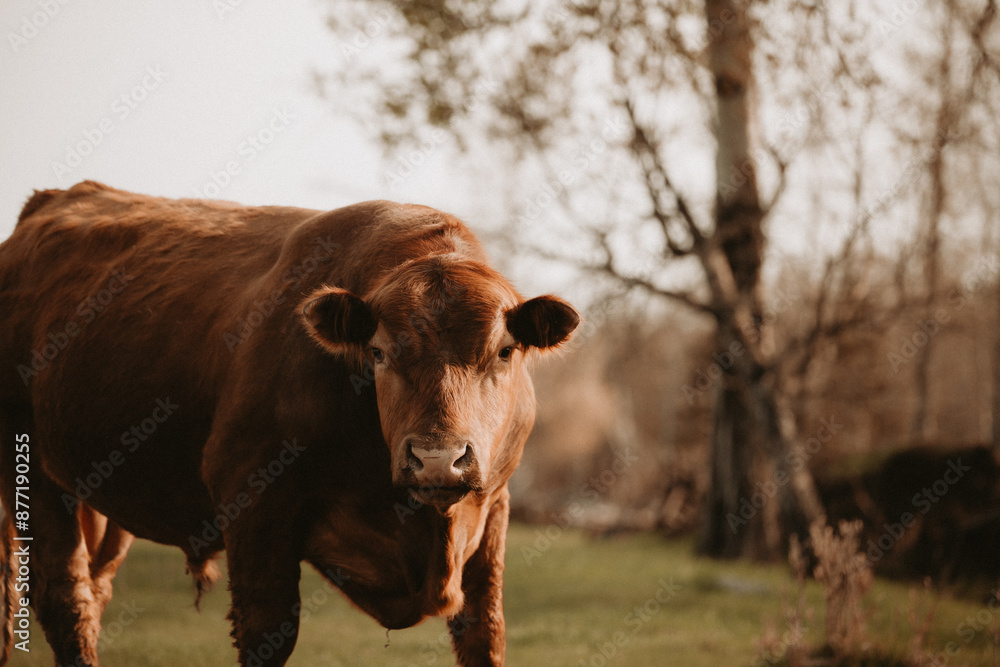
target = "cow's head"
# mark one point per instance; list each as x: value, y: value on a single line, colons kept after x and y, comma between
x: 448, y: 340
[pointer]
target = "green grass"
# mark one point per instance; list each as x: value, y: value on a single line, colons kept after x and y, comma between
x: 576, y: 600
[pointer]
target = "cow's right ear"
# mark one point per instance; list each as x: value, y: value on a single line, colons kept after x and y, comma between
x: 338, y: 320
x: 542, y: 322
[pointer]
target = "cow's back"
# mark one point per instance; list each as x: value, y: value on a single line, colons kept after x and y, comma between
x: 97, y: 259
x: 99, y: 273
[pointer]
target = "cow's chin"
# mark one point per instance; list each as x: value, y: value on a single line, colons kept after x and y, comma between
x: 440, y: 498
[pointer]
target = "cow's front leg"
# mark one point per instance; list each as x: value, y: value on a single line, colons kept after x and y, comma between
x: 264, y: 582
x: 478, y: 632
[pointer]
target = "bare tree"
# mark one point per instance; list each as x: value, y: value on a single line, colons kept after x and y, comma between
x: 747, y: 422
x: 959, y: 125
x: 985, y: 82
x: 680, y: 81
x: 922, y: 426
x: 637, y: 59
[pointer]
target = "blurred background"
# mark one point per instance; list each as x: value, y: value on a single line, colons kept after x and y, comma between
x: 780, y: 218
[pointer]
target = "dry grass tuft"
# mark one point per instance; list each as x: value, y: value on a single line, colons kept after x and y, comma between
x: 846, y: 576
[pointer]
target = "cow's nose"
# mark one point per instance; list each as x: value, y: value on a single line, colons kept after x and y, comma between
x: 440, y: 466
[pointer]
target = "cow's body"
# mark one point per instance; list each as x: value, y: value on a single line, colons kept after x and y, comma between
x: 158, y: 355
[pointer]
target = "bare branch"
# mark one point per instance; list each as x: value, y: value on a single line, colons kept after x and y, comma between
x: 985, y: 59
x: 657, y: 180
x: 779, y: 190
x: 608, y: 268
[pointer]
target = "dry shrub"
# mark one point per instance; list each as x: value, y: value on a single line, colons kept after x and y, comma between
x: 788, y: 648
x: 846, y: 576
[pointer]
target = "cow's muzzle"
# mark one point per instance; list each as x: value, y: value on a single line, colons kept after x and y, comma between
x: 440, y: 497
x: 440, y: 472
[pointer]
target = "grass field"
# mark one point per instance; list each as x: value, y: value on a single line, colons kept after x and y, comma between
x: 636, y: 600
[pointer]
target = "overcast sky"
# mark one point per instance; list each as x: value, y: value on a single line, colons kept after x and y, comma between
x: 213, y: 98
x: 189, y: 98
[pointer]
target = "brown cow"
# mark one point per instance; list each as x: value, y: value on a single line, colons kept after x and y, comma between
x: 348, y: 389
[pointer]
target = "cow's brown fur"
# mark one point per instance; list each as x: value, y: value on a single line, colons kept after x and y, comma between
x: 287, y: 433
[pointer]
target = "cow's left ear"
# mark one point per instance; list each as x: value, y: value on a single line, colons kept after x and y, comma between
x: 338, y: 320
x: 545, y: 321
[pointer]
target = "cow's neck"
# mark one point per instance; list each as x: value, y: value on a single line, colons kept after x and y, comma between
x: 457, y: 534
x: 399, y: 568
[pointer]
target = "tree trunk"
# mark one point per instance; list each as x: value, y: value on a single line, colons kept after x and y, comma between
x: 741, y: 513
x: 754, y: 499
x: 922, y: 426
x: 761, y: 491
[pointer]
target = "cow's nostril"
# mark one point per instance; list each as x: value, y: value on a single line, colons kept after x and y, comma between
x: 465, y: 460
x: 412, y: 460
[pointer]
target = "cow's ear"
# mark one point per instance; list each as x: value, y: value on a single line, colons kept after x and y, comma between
x: 542, y: 322
x: 338, y: 320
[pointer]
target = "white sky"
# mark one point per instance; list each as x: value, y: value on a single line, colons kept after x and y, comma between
x: 219, y: 80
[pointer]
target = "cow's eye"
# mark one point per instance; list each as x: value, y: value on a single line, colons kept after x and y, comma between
x: 378, y: 354
x: 506, y: 352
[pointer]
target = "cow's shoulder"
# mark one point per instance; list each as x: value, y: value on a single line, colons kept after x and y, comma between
x: 381, y: 219
x: 369, y: 239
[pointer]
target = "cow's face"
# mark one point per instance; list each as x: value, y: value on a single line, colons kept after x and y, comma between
x: 448, y: 341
